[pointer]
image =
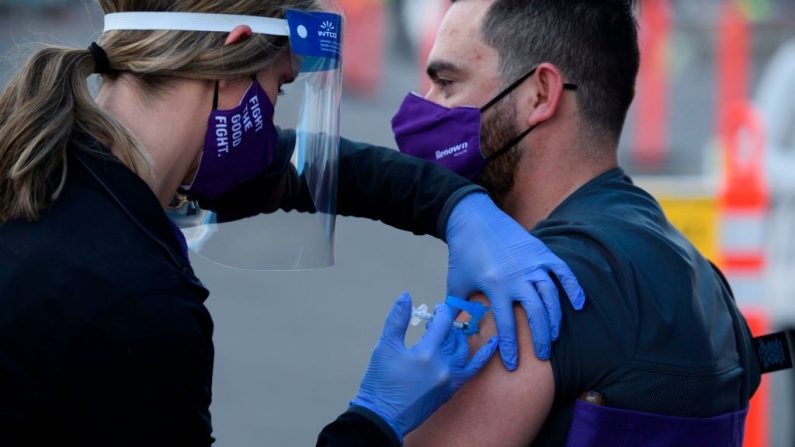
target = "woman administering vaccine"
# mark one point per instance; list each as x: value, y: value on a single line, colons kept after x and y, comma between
x: 104, y: 337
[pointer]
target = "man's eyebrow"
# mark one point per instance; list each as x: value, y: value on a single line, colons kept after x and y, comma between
x: 434, y: 67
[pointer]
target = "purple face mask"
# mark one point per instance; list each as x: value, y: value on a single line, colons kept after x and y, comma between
x: 449, y: 137
x: 239, y: 145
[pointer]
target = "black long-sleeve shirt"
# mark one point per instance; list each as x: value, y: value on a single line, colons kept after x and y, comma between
x: 374, y: 182
x: 104, y: 336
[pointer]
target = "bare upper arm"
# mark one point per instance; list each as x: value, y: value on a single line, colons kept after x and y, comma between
x: 496, y: 407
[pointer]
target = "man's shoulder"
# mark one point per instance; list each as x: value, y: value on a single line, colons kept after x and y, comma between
x: 618, y: 225
x: 616, y: 239
x: 593, y: 245
x: 652, y: 298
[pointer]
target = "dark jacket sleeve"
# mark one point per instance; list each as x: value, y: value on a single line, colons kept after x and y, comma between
x: 374, y: 182
x: 358, y: 428
x: 140, y: 373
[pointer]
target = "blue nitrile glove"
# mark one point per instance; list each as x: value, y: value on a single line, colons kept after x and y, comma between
x: 404, y: 386
x: 491, y: 253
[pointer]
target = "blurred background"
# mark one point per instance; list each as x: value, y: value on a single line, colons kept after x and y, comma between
x: 711, y: 134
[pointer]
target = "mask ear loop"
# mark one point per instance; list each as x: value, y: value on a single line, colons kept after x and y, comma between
x: 507, y: 90
x: 503, y: 94
x: 215, y: 94
x: 511, y: 144
x: 215, y: 97
x: 512, y: 87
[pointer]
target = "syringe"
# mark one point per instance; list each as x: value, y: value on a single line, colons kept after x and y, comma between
x: 420, y: 314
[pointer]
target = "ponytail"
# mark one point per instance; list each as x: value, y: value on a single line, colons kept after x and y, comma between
x: 43, y: 111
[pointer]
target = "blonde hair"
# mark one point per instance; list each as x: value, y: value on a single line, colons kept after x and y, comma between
x: 47, y: 106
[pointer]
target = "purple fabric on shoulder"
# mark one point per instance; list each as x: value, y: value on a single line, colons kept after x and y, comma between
x: 595, y: 425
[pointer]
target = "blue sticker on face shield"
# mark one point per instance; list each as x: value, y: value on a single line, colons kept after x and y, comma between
x: 317, y: 38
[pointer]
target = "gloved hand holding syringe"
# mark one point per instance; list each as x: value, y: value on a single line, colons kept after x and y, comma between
x: 420, y: 314
x: 473, y: 308
x: 404, y: 385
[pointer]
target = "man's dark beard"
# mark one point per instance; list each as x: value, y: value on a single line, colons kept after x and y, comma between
x: 496, y: 131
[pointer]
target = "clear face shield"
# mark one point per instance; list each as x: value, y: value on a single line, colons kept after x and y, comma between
x: 288, y: 215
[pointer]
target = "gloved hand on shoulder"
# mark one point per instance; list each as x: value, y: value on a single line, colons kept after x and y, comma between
x: 489, y: 252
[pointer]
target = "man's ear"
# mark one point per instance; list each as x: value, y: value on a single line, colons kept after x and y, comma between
x: 547, y: 91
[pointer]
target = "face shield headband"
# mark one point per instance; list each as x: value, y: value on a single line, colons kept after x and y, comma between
x: 193, y: 21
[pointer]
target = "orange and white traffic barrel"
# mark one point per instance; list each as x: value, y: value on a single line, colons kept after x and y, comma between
x: 744, y: 202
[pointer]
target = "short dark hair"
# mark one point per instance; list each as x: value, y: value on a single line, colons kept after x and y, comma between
x: 593, y: 42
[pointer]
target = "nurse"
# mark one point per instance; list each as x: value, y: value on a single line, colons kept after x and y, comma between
x: 104, y: 337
